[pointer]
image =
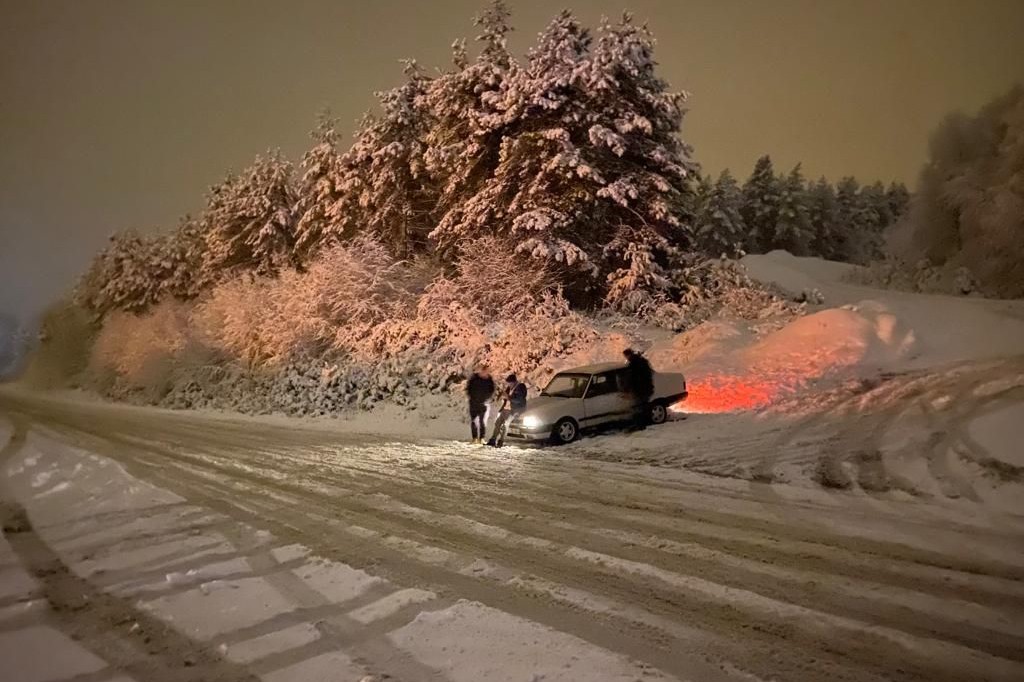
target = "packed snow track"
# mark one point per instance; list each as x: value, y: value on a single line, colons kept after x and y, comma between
x: 298, y: 552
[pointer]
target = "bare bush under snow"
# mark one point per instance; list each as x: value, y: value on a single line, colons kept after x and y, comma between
x: 359, y: 326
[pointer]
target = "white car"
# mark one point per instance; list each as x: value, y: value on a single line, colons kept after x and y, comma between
x: 586, y: 397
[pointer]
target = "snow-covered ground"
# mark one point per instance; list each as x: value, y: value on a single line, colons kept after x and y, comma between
x: 865, y: 525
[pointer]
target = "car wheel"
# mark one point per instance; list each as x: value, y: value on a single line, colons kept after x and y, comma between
x: 659, y: 413
x: 565, y: 431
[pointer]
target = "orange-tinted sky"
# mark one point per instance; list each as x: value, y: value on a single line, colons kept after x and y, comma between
x: 119, y: 113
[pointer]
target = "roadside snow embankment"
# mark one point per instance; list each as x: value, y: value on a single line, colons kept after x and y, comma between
x: 947, y: 329
x: 728, y: 371
x: 863, y: 334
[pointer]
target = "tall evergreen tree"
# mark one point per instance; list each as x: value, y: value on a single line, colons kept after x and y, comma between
x: 872, y: 217
x: 317, y: 220
x: 761, y: 197
x: 875, y: 206
x: 720, y: 230
x: 645, y: 169
x: 898, y: 199
x: 793, y: 228
x: 822, y: 216
x: 126, y: 275
x: 383, y: 182
x: 702, y: 191
x: 849, y: 219
x: 181, y: 256
x: 249, y: 220
x: 468, y: 111
x: 537, y: 187
x: 589, y: 172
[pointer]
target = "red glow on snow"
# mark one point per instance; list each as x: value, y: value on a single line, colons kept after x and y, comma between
x: 718, y: 394
x: 805, y: 354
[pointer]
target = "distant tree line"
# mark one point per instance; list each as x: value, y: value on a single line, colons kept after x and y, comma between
x: 842, y: 222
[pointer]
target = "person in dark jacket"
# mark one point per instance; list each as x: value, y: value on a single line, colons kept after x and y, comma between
x: 515, y: 403
x: 639, y: 386
x: 479, y: 391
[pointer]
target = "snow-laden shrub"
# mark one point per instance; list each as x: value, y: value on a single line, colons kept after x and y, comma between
x: 921, y: 277
x: 497, y: 279
x: 359, y: 326
x: 719, y: 288
x: 61, y: 351
x: 355, y: 328
x: 330, y: 308
x: 140, y: 353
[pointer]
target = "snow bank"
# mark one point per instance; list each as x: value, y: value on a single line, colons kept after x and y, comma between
x: 729, y: 371
x: 872, y: 331
x: 947, y: 329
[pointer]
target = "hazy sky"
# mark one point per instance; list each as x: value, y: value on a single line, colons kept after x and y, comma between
x: 119, y: 113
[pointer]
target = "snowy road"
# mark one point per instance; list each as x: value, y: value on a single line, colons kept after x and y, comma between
x: 300, y: 552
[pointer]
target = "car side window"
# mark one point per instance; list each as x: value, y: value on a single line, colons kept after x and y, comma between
x: 621, y: 380
x: 602, y: 384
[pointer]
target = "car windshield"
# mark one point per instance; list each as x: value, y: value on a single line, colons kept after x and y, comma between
x: 566, y: 386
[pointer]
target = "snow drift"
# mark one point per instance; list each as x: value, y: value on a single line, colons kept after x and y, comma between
x: 872, y: 332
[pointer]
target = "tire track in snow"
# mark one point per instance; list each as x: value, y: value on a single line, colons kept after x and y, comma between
x: 221, y: 475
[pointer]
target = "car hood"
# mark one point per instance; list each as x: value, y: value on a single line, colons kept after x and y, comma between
x: 547, y: 406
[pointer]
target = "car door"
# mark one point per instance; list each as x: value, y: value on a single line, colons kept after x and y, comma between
x: 604, y: 401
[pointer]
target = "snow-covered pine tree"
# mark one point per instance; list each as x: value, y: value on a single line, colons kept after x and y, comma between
x: 181, y: 256
x: 898, y: 200
x: 720, y: 230
x: 383, y: 184
x: 122, y: 276
x: 849, y: 219
x: 871, y: 218
x: 316, y: 221
x: 702, y: 192
x: 875, y: 206
x: 761, y: 196
x: 468, y: 111
x: 823, y: 218
x: 586, y: 155
x: 646, y: 169
x: 539, y: 188
x: 793, y: 228
x: 249, y: 220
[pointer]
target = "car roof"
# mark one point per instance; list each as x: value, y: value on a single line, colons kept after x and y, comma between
x: 593, y: 369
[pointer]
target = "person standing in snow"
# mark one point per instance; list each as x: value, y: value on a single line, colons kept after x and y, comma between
x: 479, y: 391
x: 514, y: 403
x: 639, y: 386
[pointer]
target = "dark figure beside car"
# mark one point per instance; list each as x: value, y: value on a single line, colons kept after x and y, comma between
x: 640, y: 386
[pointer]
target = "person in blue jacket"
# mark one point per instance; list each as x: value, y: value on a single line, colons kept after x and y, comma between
x: 515, y: 403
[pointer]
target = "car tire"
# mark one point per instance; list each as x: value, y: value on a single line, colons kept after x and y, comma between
x: 565, y: 431
x: 658, y: 413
